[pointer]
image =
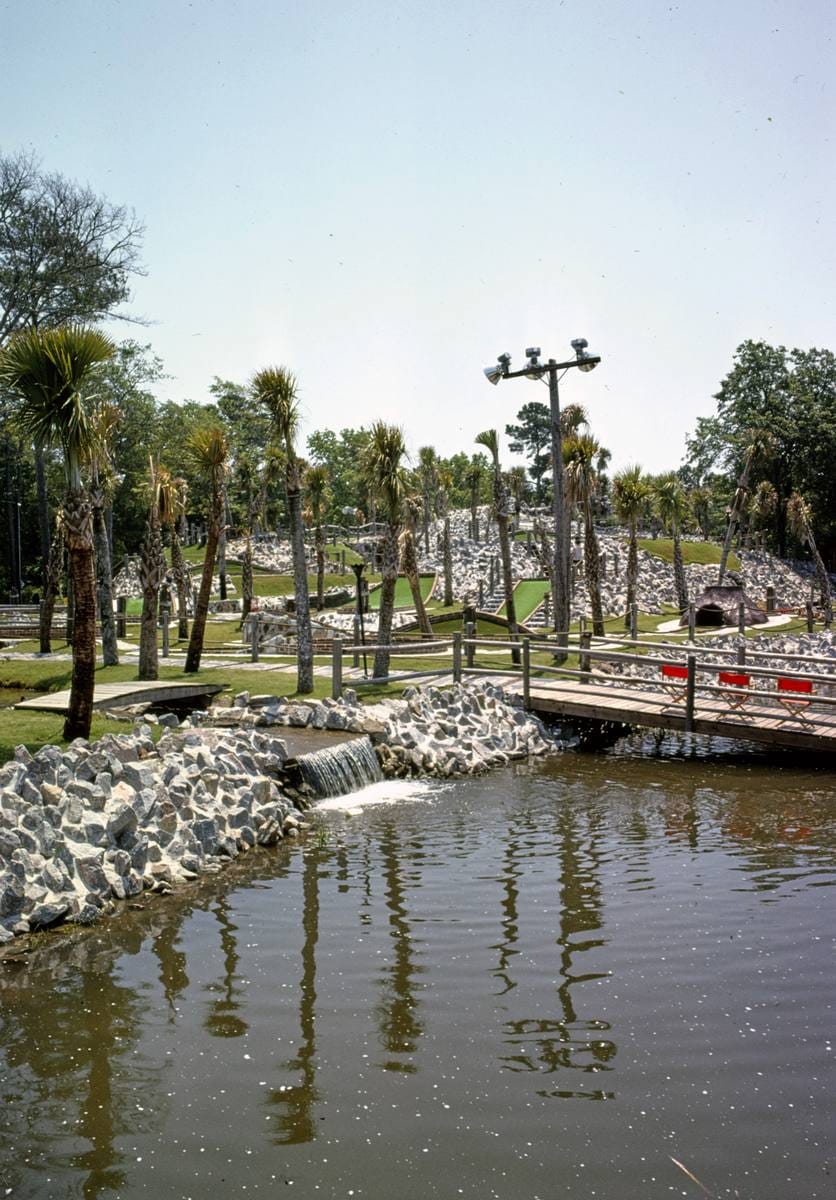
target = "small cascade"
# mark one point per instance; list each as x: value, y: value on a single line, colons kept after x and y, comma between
x: 338, y: 770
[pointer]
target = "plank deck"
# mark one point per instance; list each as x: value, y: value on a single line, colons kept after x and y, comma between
x: 117, y: 695
x: 756, y: 722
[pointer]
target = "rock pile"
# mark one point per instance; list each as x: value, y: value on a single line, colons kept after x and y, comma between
x: 100, y: 822
x: 472, y: 560
x: 96, y: 823
x: 427, y: 731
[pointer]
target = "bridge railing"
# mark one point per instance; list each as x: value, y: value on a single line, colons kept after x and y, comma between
x: 701, y: 668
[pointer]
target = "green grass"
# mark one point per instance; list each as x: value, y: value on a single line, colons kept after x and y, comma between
x: 403, y: 592
x: 705, y: 553
x: 528, y: 595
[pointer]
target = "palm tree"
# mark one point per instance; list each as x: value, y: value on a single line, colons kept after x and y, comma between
x: 409, y: 561
x: 173, y: 493
x: 800, y: 518
x: 759, y: 444
x: 46, y: 370
x: 762, y: 510
x: 208, y: 450
x: 473, y: 478
x: 151, y: 572
x: 580, y: 453
x: 445, y: 482
x: 386, y: 480
x: 316, y: 482
x: 672, y: 507
x: 502, y: 510
x: 276, y: 389
x: 630, y: 496
x: 428, y: 478
x: 700, y: 501
x: 52, y: 584
x: 103, y: 425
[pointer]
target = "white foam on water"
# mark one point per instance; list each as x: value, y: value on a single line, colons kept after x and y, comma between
x: 388, y: 791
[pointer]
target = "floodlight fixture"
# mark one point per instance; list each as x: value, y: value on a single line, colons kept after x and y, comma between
x: 493, y: 374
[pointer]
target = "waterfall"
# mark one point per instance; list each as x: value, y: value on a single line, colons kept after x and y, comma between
x: 338, y: 770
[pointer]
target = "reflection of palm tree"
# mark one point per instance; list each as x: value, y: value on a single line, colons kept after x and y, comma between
x: 295, y: 1103
x: 400, y: 1027
x: 223, y: 1020
x: 510, y: 916
x: 567, y: 1041
x: 172, y: 964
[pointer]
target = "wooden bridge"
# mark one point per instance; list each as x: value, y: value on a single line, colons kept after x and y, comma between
x: 120, y: 695
x: 734, y: 691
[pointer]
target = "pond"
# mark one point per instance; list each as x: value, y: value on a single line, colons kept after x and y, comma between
x: 551, y: 981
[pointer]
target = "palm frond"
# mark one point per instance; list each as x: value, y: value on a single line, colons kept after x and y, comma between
x: 277, y: 390
x: 383, y: 467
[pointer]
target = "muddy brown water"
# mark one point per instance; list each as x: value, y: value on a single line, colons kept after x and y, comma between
x: 551, y: 981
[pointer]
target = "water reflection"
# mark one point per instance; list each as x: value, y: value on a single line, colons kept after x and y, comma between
x: 293, y: 1104
x: 568, y: 1041
x: 223, y: 1019
x: 70, y: 1063
x: 397, y: 1013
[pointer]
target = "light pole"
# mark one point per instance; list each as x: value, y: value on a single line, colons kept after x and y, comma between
x: 535, y: 369
x: 358, y: 569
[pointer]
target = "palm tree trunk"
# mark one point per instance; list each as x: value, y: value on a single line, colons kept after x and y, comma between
x: 320, y: 568
x: 193, y: 655
x: 304, y: 636
x: 508, y: 580
x: 821, y: 575
x: 247, y: 579
x: 79, y: 534
x: 632, y: 572
x: 181, y: 580
x: 448, y: 564
x: 679, y: 572
x: 150, y: 575
x: 43, y: 506
x: 104, y: 581
x: 389, y: 573
x: 409, y: 566
x: 52, y: 583
x: 591, y: 555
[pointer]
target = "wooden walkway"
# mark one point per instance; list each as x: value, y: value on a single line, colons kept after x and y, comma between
x: 757, y: 722
x: 119, y: 695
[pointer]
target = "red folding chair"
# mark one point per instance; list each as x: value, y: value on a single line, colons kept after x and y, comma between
x: 674, y: 681
x: 736, y: 688
x: 796, y: 695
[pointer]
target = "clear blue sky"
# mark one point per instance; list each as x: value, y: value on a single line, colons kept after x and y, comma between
x: 384, y: 196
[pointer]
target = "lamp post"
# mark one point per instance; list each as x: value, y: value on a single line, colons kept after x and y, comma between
x: 535, y: 369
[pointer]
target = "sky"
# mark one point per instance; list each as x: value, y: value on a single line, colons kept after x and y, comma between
x: 384, y: 196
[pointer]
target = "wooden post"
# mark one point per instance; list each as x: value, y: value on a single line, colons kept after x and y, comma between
x: 586, y: 642
x: 164, y: 615
x: 470, y: 634
x: 808, y: 606
x: 582, y: 624
x: 457, y: 656
x: 546, y: 603
x: 336, y: 668
x: 255, y: 620
x: 741, y: 619
x: 634, y: 621
x: 481, y: 594
x: 526, y: 666
x: 741, y: 653
x: 692, y: 621
x: 770, y: 599
x: 121, y: 615
x: 690, y: 693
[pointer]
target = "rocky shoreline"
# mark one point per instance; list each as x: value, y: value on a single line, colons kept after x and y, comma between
x: 84, y: 828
